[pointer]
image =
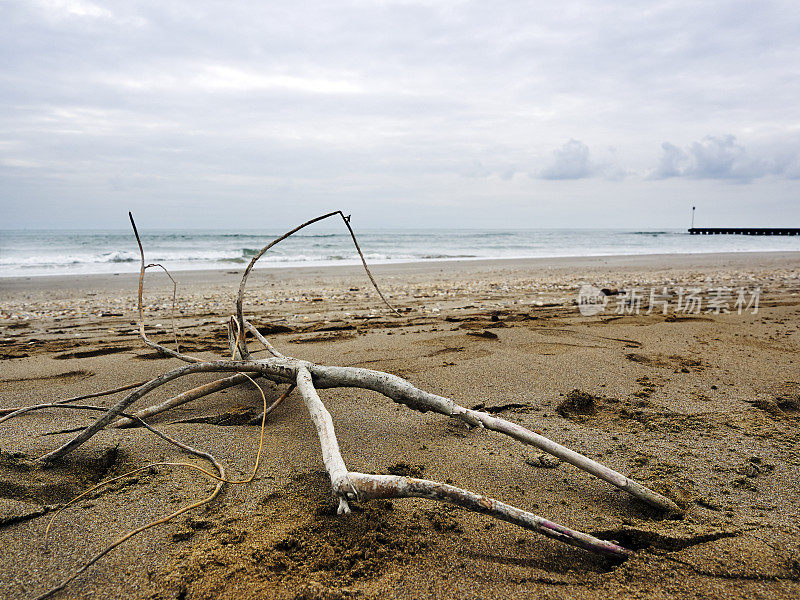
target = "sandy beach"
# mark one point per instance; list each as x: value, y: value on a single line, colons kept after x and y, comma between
x: 702, y: 405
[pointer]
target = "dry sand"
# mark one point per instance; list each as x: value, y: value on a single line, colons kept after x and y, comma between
x: 704, y: 407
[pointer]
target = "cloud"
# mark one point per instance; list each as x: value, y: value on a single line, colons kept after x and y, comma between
x: 716, y: 158
x: 574, y: 160
x: 403, y: 99
x: 571, y: 161
x: 72, y: 8
x: 724, y: 158
x: 673, y: 162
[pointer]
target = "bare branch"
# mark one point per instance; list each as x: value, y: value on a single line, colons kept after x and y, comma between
x: 403, y: 392
x: 263, y: 340
x: 116, y: 410
x: 331, y: 456
x: 142, y: 334
x: 392, y: 486
x: 174, y: 297
x: 348, y: 486
x: 308, y: 378
x: 183, y: 398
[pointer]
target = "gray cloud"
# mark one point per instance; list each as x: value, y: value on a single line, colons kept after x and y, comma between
x: 673, y: 162
x: 574, y: 160
x: 721, y: 157
x: 571, y: 161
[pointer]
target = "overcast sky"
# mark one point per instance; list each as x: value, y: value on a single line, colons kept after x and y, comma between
x: 471, y: 114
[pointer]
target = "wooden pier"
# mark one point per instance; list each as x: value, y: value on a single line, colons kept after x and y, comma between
x: 745, y: 230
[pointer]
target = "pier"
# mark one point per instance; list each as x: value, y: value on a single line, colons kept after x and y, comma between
x: 744, y: 230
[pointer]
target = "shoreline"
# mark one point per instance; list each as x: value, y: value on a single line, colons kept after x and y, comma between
x: 616, y: 261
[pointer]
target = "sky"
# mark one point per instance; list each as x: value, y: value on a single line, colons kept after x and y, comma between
x: 406, y: 114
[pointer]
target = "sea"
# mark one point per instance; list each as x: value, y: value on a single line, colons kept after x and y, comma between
x: 64, y: 252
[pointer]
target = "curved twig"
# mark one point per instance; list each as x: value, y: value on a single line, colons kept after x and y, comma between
x: 240, y: 296
x: 221, y: 480
x: 125, y: 537
x: 142, y: 334
x: 174, y: 297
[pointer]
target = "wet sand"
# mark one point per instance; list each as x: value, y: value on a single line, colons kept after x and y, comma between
x: 704, y: 407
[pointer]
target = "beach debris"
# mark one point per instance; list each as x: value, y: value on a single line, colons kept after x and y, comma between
x: 15, y: 511
x: 485, y: 334
x: 542, y: 461
x: 307, y: 378
x: 406, y: 470
x: 577, y: 402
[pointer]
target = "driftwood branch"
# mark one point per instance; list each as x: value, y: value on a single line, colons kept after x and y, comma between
x: 308, y: 378
x: 348, y: 486
x: 183, y: 398
x: 331, y: 456
x: 368, y: 487
x: 264, y: 341
x: 392, y: 386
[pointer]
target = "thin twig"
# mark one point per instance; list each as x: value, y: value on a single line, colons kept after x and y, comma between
x: 130, y: 386
x: 142, y: 334
x: 240, y: 296
x: 364, y: 262
x: 273, y: 406
x: 174, y: 296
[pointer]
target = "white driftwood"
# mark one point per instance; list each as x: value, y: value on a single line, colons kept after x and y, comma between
x: 392, y: 386
x: 331, y: 456
x: 182, y: 398
x: 252, y: 329
x: 348, y: 486
x: 392, y: 486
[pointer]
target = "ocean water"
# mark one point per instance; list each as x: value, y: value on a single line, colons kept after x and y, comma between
x: 51, y: 252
